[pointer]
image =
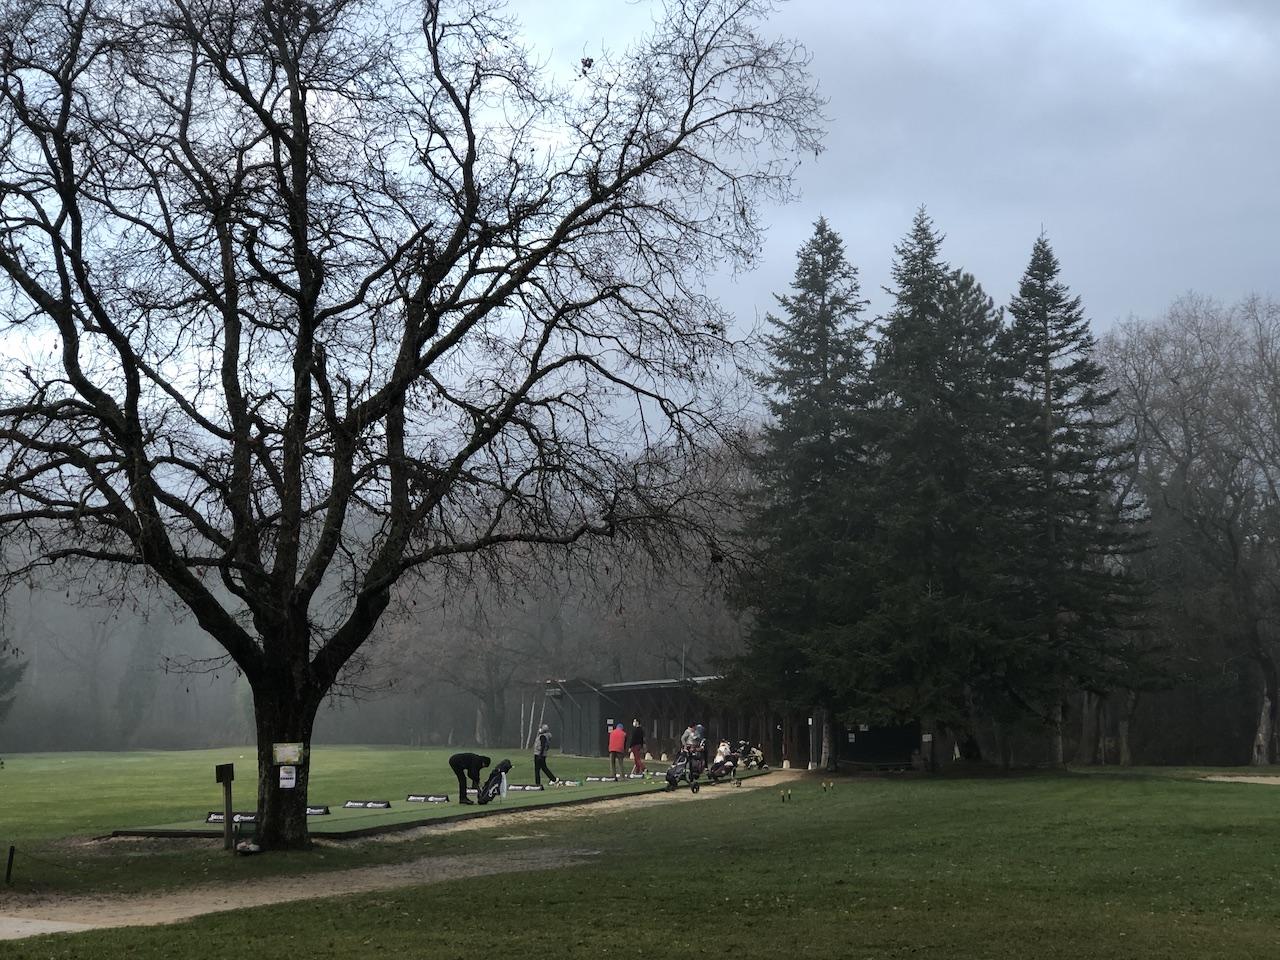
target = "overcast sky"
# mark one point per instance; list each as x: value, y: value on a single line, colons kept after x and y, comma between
x: 1142, y: 135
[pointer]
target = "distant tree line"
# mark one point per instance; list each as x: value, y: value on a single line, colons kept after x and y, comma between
x: 1197, y: 394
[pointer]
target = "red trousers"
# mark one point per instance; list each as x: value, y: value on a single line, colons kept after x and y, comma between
x: 637, y: 754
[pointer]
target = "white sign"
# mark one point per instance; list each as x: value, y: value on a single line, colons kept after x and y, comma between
x: 286, y: 753
x: 288, y: 777
x: 927, y: 738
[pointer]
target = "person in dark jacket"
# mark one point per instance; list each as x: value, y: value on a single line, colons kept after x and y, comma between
x: 466, y: 765
x: 540, y: 748
x: 635, y: 743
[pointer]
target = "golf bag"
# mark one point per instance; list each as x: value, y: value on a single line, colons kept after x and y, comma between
x: 687, y: 766
x: 493, y: 786
x: 752, y: 758
x: 725, y: 764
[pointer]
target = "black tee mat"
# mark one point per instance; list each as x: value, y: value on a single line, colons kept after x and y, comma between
x: 214, y: 828
x: 240, y: 816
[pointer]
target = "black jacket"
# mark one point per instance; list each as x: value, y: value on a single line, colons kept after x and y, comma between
x: 470, y: 763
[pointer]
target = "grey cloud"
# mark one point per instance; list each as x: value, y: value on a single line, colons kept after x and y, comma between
x: 1141, y: 134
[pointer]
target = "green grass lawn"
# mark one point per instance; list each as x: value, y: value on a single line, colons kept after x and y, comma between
x: 50, y: 803
x: 1070, y: 866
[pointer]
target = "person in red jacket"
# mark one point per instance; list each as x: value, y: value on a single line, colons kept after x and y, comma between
x: 617, y: 750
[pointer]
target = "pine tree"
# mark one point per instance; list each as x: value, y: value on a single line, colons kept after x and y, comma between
x: 816, y: 386
x: 1074, y: 586
x: 936, y: 427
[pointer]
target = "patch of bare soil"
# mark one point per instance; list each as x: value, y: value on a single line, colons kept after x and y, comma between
x: 28, y: 916
x: 1224, y: 778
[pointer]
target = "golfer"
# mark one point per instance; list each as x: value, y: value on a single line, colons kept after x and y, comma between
x: 635, y: 743
x: 466, y: 765
x: 617, y: 750
x: 540, y: 748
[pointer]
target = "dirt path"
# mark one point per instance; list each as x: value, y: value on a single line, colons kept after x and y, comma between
x: 543, y: 814
x: 29, y: 916
x: 1224, y: 778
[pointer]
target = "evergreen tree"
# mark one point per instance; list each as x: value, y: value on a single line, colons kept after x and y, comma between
x: 1073, y: 536
x: 815, y: 385
x: 936, y: 428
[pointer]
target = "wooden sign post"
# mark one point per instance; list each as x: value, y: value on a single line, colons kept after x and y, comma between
x: 224, y: 773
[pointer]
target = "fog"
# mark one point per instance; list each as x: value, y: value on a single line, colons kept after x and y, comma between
x: 452, y: 664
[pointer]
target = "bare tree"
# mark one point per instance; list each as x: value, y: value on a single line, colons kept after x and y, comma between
x: 1202, y: 392
x: 11, y: 670
x: 475, y: 640
x: 303, y: 297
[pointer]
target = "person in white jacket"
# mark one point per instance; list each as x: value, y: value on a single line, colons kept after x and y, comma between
x: 540, y: 748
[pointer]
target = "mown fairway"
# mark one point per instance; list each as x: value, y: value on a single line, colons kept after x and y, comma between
x: 50, y: 803
x: 1071, y: 866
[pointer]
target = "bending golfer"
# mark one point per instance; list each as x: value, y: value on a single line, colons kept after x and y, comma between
x: 466, y: 765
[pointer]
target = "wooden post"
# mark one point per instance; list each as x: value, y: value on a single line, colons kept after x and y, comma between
x: 8, y: 867
x: 226, y: 816
x: 224, y: 773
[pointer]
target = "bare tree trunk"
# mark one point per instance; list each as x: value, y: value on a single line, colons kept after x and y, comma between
x: 494, y: 710
x: 828, y: 761
x: 970, y: 740
x: 1126, y: 720
x: 1059, y: 755
x: 1273, y: 708
x: 1088, y: 730
x: 1093, y: 734
x: 1103, y: 725
x: 1004, y: 747
x: 1262, y: 736
x: 282, y: 811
